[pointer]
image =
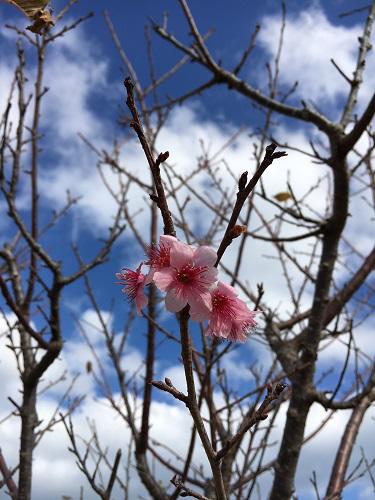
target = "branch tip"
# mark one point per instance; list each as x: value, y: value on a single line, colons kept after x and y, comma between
x: 242, y: 181
x: 163, y: 157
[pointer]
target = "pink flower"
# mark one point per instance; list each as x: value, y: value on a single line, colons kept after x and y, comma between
x: 159, y: 256
x: 230, y: 317
x: 188, y: 279
x: 134, y: 282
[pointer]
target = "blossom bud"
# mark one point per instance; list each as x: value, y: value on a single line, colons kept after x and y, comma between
x: 242, y: 182
x: 237, y: 230
x: 163, y: 157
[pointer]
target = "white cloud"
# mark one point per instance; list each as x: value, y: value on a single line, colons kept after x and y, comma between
x: 73, y: 72
x: 237, y: 369
x: 318, y: 454
x: 182, y: 134
x: 310, y: 41
x: 336, y: 349
x: 176, y: 375
x: 73, y: 76
x: 163, y: 414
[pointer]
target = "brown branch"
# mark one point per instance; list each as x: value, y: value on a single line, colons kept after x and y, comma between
x: 337, y: 302
x: 355, y: 11
x: 242, y: 87
x: 200, y: 45
x: 21, y: 316
x: 34, y: 172
x: 187, y: 358
x: 168, y: 386
x: 170, y: 466
x: 153, y: 164
x: 112, y: 477
x: 285, y: 238
x: 351, y: 139
x: 122, y: 54
x: 346, y: 404
x: 179, y: 100
x: 246, y: 53
x: 7, y: 476
x: 243, y: 193
x: 273, y: 393
x: 185, y: 59
x: 65, y: 9
x: 338, y: 472
x: 356, y: 81
x: 343, y: 370
x: 184, y: 491
x: 143, y: 439
x: 303, y: 378
x: 340, y: 71
x: 69, y: 27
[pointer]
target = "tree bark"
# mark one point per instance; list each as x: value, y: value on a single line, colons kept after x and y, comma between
x: 29, y: 422
x: 302, y: 379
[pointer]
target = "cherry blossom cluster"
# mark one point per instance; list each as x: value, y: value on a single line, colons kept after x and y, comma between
x: 188, y: 276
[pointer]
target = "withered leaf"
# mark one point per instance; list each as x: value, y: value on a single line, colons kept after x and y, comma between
x: 282, y: 196
x: 35, y: 11
x: 42, y: 21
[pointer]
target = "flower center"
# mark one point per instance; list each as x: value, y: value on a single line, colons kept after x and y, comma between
x: 184, y: 274
x: 190, y: 274
x: 219, y: 300
x: 159, y: 257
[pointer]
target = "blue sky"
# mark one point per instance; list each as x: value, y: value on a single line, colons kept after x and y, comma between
x: 85, y: 75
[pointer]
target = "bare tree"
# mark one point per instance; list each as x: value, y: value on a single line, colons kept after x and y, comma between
x: 31, y: 279
x: 233, y: 430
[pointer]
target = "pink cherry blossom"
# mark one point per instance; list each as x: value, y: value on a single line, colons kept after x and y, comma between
x: 230, y: 317
x: 159, y: 255
x: 134, y: 282
x: 188, y: 279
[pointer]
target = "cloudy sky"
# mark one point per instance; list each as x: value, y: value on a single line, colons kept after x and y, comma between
x: 84, y: 75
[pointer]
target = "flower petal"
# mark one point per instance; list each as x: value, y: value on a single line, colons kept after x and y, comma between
x: 205, y: 256
x: 210, y: 275
x: 199, y: 302
x: 200, y: 309
x: 181, y: 254
x: 164, y: 278
x: 199, y: 314
x: 174, y: 302
x: 140, y: 301
x: 167, y: 240
x: 227, y: 290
